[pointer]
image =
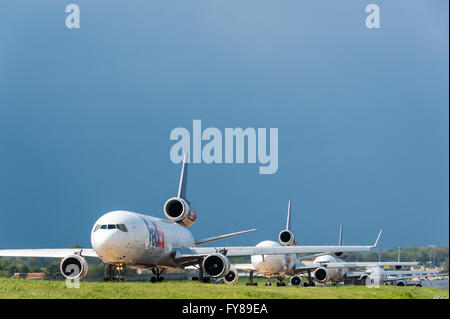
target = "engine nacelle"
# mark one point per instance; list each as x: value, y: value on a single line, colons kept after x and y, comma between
x: 296, y: 281
x: 321, y: 274
x: 232, y: 277
x: 74, y: 267
x: 216, y: 265
x: 178, y: 210
x: 286, y: 238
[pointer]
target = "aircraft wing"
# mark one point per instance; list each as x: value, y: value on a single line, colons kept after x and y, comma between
x: 49, y: 253
x: 243, y: 267
x: 411, y: 276
x: 368, y: 264
x: 302, y: 268
x: 414, y: 273
x: 358, y: 274
x: 207, y: 240
x: 253, y: 250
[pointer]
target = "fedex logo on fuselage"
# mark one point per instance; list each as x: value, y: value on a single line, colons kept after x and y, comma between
x: 156, y: 236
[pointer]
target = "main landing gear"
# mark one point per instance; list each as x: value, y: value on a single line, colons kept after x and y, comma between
x: 200, y: 277
x: 110, y: 273
x: 280, y: 282
x: 157, y: 272
x: 310, y: 282
x: 250, y: 280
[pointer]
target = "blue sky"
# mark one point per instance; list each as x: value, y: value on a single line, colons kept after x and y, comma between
x: 85, y: 117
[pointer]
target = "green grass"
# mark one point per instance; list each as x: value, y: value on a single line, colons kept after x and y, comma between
x: 26, y: 289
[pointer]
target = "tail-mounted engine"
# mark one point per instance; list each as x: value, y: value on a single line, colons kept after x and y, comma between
x: 216, y: 265
x: 286, y: 238
x: 232, y: 277
x: 74, y: 267
x: 178, y: 210
x: 321, y: 274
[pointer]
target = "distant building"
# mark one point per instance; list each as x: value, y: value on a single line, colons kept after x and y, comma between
x: 29, y: 275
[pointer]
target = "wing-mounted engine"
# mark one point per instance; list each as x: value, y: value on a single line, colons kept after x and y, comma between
x: 74, y: 267
x: 178, y: 210
x: 321, y: 274
x: 296, y: 281
x: 216, y: 265
x: 232, y: 277
x: 286, y: 238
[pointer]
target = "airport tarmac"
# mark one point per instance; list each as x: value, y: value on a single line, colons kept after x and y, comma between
x: 440, y: 284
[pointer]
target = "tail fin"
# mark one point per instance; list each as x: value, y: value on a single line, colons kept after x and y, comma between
x: 183, y: 178
x: 288, y: 221
x: 341, y: 238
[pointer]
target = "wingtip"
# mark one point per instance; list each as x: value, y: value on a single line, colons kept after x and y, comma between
x: 378, y: 238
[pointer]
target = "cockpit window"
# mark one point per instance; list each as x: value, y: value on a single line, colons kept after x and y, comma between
x: 122, y: 227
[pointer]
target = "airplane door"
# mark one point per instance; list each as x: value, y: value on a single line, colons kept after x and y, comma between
x: 132, y: 237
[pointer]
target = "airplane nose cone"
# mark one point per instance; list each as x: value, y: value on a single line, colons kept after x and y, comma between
x: 109, y: 245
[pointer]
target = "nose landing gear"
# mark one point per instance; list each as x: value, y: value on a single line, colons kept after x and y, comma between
x: 110, y: 270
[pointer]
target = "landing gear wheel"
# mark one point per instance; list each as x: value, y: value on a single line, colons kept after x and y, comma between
x: 206, y: 280
x: 268, y: 284
x: 305, y: 284
x: 312, y: 284
x: 194, y: 278
x: 160, y: 278
x: 153, y: 279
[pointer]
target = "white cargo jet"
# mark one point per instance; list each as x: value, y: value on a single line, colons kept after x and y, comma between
x: 127, y: 239
x: 327, y: 267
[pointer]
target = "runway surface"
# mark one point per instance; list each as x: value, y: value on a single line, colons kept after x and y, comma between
x: 440, y: 284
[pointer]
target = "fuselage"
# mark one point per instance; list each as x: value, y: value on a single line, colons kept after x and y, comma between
x: 273, y: 265
x: 336, y: 274
x: 284, y: 265
x: 138, y: 241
